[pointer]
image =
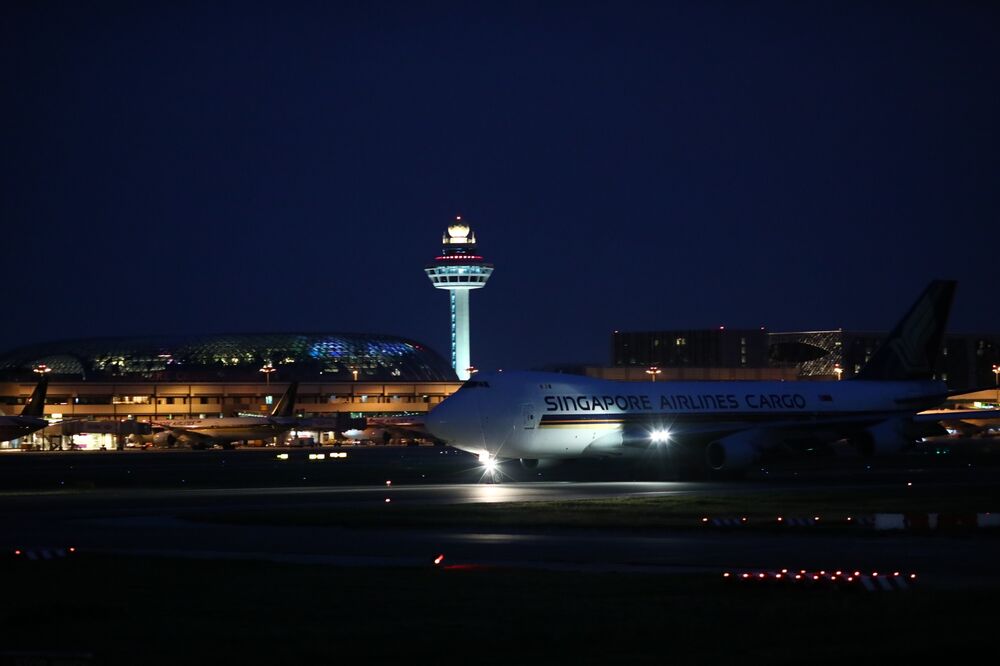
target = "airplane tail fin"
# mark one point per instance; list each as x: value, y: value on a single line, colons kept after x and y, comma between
x: 912, y: 347
x: 286, y: 405
x: 35, y: 406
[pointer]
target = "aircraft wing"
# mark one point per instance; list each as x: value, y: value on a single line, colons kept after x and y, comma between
x: 965, y: 420
x: 942, y: 415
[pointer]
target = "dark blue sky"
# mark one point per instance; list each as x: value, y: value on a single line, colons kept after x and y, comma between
x: 188, y: 167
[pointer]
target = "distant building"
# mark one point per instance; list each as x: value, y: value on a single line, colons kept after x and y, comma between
x: 711, y: 348
x: 966, y: 361
x: 133, y: 381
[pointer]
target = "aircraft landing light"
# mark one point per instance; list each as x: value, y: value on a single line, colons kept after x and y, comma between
x: 439, y: 559
x: 660, y: 436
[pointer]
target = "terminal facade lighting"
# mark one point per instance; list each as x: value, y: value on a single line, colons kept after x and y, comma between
x: 459, y: 269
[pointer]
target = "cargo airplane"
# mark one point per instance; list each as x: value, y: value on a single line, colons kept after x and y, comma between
x: 203, y: 433
x: 711, y: 427
x: 30, y: 419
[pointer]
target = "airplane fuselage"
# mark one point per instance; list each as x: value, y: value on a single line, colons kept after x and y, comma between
x: 544, y: 415
x: 226, y: 429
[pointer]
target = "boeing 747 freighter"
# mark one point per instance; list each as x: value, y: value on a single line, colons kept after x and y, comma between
x: 720, y: 427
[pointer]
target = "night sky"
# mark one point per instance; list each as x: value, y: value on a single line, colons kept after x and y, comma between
x: 245, y: 167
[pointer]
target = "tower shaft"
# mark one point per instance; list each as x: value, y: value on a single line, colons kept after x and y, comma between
x: 461, y: 356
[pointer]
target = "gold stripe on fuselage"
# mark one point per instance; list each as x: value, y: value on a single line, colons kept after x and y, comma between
x: 580, y: 424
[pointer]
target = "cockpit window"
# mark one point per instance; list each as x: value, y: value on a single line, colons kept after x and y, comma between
x: 472, y: 384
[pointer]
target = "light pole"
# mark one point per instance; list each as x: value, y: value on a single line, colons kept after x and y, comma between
x: 996, y: 380
x: 653, y: 371
x: 267, y: 370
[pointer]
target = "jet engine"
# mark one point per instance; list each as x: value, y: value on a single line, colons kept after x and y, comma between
x: 536, y: 463
x: 733, y: 453
x: 882, y: 439
x: 165, y: 438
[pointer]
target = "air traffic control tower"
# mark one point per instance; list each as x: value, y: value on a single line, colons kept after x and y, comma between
x: 459, y: 269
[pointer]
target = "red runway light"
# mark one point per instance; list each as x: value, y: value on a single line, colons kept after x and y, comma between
x: 72, y: 549
x: 439, y: 559
x: 17, y: 552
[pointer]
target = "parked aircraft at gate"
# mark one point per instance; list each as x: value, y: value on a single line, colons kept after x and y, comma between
x: 30, y: 419
x: 202, y: 433
x: 720, y: 426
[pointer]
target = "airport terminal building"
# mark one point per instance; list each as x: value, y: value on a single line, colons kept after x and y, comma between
x: 966, y: 360
x: 108, y: 388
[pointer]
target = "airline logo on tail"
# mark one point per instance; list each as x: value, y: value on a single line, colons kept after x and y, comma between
x: 912, y: 347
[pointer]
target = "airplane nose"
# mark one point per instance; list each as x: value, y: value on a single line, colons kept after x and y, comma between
x: 456, y: 420
x: 440, y: 421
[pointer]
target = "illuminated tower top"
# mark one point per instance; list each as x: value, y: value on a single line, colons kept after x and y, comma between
x: 459, y: 269
x: 459, y: 266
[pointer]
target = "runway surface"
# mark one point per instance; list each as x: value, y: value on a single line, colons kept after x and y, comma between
x: 154, y: 521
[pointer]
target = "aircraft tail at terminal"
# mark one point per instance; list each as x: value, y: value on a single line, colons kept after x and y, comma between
x: 285, y: 406
x: 35, y: 406
x: 721, y: 427
x: 31, y: 417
